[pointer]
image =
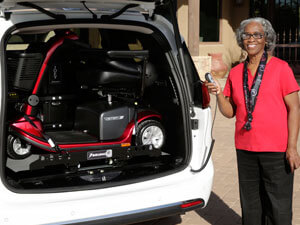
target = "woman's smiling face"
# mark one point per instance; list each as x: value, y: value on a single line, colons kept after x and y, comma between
x: 254, y: 40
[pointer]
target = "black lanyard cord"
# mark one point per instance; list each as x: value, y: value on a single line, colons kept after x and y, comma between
x: 251, y: 95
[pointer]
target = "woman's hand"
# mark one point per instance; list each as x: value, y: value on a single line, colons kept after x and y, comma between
x: 213, y: 88
x: 226, y: 105
x: 293, y: 107
x: 293, y: 158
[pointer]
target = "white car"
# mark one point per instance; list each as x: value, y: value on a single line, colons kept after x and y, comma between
x: 103, y: 117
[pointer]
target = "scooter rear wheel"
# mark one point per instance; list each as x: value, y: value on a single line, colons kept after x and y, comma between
x: 151, y: 132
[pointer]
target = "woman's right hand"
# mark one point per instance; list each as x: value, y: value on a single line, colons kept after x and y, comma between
x: 225, y: 104
x: 213, y: 88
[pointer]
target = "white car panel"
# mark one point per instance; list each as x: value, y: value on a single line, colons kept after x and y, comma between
x: 32, y: 209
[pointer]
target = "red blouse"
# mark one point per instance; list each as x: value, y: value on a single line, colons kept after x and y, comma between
x: 269, y: 131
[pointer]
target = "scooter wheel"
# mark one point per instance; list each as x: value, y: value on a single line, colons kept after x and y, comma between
x: 151, y: 132
x: 17, y: 148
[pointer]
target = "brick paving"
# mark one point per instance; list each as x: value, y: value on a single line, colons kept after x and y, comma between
x: 224, y: 207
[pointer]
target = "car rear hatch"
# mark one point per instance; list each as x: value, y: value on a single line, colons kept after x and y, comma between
x: 145, y: 7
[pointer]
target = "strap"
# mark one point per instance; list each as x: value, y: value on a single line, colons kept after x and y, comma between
x: 46, y: 137
x: 251, y: 95
x: 112, y: 16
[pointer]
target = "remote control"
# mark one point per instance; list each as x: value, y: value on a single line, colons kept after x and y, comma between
x: 209, y: 78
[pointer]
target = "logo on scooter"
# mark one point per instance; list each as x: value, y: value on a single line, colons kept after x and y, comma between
x: 112, y: 118
x: 101, y: 154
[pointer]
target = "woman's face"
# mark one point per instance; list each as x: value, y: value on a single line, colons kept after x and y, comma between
x: 254, y: 39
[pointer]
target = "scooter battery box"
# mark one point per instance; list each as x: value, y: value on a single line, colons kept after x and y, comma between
x: 103, y: 120
x: 58, y: 114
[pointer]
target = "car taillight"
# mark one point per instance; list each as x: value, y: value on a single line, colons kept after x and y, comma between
x: 188, y: 204
x: 205, y: 97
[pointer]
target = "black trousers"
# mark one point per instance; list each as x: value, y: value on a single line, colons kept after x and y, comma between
x: 266, y: 188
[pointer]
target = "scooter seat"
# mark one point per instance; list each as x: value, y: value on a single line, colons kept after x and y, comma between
x: 108, y: 78
x: 125, y: 67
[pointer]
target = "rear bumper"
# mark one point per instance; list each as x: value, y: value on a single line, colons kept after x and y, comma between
x: 141, y: 201
x: 139, y: 215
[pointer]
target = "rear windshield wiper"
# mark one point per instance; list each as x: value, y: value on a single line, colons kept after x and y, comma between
x: 42, y: 10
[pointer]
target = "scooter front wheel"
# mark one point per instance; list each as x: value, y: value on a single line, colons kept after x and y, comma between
x: 17, y: 148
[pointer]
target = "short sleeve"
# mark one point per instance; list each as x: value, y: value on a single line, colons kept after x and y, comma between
x: 288, y: 82
x: 228, y: 88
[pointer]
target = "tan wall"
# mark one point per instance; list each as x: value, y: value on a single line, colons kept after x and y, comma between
x: 182, y: 15
x: 231, y: 17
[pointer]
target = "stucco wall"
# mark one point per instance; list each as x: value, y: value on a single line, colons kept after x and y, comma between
x: 182, y: 15
x: 231, y: 17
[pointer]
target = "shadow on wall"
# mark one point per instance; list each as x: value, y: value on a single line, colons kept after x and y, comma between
x: 181, y: 3
x: 230, y: 17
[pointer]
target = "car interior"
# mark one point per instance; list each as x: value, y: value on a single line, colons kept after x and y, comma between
x: 89, y: 79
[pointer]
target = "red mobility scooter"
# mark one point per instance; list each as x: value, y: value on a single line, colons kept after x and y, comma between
x: 74, y: 104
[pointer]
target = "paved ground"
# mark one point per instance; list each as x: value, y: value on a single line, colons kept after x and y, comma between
x: 223, y: 207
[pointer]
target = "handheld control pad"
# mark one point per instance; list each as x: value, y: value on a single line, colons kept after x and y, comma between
x: 209, y: 78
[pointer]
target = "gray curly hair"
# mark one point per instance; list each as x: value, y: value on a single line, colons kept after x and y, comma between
x: 268, y: 30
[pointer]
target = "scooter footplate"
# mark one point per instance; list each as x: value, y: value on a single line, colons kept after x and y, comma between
x: 71, y: 137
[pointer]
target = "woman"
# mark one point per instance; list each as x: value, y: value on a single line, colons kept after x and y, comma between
x: 262, y: 94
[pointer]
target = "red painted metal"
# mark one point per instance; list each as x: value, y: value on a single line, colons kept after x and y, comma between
x: 23, y: 125
x: 59, y: 42
x: 25, y: 129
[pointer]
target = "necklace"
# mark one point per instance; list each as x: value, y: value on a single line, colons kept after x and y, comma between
x: 251, y: 95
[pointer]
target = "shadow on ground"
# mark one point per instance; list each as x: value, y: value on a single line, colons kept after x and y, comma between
x: 172, y: 220
x: 217, y: 212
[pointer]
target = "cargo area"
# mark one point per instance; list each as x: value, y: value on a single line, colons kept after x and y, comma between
x: 90, y: 107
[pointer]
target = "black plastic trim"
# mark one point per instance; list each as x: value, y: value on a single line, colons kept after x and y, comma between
x: 182, y: 92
